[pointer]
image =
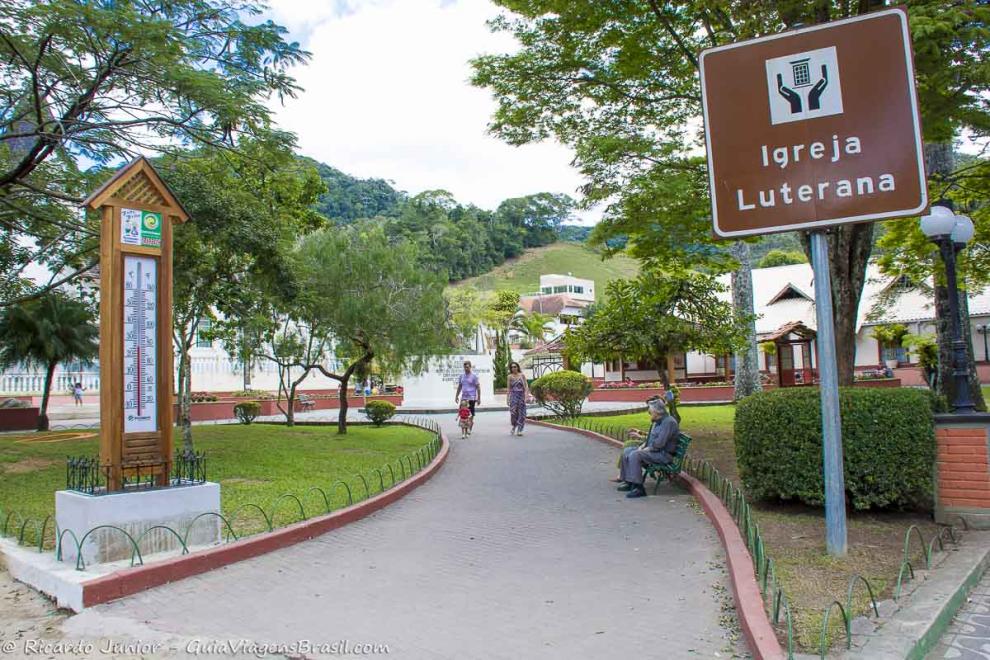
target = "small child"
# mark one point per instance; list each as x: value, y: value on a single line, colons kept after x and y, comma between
x: 77, y: 393
x: 464, y: 418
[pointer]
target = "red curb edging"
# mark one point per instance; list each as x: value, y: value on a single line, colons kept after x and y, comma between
x: 749, y: 602
x: 133, y: 580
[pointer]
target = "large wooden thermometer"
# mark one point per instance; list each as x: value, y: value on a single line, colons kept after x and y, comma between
x: 137, y: 213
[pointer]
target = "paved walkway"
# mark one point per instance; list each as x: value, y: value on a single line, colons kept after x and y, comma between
x: 968, y: 638
x: 518, y: 548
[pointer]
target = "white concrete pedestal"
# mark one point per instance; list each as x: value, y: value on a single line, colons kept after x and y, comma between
x: 136, y: 513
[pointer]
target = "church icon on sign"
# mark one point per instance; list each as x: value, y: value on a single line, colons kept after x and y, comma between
x: 804, y: 86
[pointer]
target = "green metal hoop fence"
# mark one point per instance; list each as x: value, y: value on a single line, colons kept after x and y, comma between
x: 43, y: 533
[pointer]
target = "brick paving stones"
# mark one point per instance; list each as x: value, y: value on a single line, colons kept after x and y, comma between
x: 968, y: 637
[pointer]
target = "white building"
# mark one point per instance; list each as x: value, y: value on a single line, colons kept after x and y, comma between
x: 564, y: 297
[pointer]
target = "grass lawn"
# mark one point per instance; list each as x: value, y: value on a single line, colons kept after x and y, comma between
x: 253, y: 464
x: 795, y: 534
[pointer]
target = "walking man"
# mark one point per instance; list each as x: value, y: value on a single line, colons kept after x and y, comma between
x: 468, y: 388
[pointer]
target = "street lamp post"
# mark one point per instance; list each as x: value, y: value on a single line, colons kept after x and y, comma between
x: 951, y: 232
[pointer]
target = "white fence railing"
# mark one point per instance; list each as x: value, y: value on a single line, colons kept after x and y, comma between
x: 33, y: 382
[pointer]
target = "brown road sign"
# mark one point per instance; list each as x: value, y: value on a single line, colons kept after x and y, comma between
x: 814, y: 127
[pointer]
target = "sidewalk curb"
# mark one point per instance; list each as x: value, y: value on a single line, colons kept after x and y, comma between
x: 753, y: 620
x: 915, y: 629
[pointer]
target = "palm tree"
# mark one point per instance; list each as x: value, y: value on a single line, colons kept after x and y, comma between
x: 45, y: 332
x: 533, y: 325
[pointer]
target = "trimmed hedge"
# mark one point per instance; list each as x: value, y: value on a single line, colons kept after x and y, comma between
x: 246, y: 411
x: 379, y: 412
x: 562, y: 392
x: 888, y: 443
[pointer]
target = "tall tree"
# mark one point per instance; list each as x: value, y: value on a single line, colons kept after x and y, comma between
x: 465, y: 309
x: 538, y: 217
x: 296, y: 344
x: 618, y: 82
x: 498, y: 316
x: 45, y: 332
x: 248, y: 208
x: 747, y: 370
x: 103, y: 81
x: 374, y: 301
x: 655, y: 316
x: 533, y: 325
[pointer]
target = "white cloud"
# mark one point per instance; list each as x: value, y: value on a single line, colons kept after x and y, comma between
x: 387, y: 95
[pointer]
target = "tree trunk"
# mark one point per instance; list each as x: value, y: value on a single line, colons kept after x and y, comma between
x: 246, y: 365
x: 43, y: 413
x: 290, y: 412
x: 342, y: 413
x: 939, y: 163
x: 185, y: 400
x: 747, y: 377
x: 284, y: 373
x: 662, y: 371
x: 975, y: 390
x: 849, y: 249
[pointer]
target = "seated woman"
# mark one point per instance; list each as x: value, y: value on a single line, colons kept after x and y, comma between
x: 659, y: 447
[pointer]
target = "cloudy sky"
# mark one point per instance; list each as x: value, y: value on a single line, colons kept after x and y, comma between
x: 387, y: 95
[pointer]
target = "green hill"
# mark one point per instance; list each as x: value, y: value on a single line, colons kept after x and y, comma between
x: 522, y: 274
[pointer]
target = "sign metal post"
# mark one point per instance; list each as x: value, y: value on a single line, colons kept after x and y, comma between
x: 835, y: 488
x: 808, y: 129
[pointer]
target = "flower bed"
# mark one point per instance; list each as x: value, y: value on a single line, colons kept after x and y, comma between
x: 224, y: 408
x: 625, y: 394
x: 689, y: 393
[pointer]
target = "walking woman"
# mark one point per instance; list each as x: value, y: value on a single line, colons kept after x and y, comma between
x: 518, y: 393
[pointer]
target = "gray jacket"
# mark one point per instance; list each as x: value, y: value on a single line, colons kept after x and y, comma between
x: 663, y: 436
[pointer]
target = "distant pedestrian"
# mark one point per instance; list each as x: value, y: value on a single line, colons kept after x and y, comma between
x: 468, y: 388
x: 77, y: 390
x: 518, y: 393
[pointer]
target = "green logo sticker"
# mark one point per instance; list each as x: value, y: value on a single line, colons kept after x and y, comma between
x: 151, y: 229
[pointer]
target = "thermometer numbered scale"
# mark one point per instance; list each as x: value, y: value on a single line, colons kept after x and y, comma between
x: 140, y: 344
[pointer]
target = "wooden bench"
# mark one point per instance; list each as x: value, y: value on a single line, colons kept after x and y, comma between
x: 305, y: 402
x: 660, y: 471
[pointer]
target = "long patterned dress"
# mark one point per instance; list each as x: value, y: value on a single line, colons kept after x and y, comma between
x: 517, y: 402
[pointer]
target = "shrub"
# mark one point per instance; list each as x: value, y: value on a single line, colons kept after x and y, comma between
x: 251, y: 394
x: 562, y: 392
x: 890, y: 335
x: 246, y: 411
x: 379, y: 411
x: 887, y: 436
x: 202, y: 397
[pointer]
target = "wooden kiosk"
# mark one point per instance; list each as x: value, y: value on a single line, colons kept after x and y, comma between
x: 133, y: 495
